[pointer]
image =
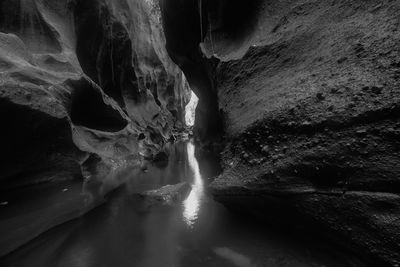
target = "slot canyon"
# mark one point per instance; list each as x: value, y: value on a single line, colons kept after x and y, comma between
x: 161, y: 133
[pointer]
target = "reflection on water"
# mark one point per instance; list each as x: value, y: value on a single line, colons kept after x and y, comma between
x: 237, y: 259
x: 128, y: 232
x: 192, y: 203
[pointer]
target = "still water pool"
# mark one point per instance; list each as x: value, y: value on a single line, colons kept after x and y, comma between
x: 194, y: 232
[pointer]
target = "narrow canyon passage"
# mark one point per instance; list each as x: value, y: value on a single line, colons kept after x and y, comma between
x: 185, y: 133
x: 136, y: 230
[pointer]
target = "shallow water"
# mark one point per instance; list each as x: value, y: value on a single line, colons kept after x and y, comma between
x: 198, y: 231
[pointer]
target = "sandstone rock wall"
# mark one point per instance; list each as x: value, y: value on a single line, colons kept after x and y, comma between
x: 309, y: 96
x: 86, y: 89
x: 96, y: 72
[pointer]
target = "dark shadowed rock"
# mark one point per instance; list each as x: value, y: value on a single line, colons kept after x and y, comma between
x: 161, y: 159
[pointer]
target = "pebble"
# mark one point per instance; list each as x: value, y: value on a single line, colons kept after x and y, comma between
x: 265, y: 149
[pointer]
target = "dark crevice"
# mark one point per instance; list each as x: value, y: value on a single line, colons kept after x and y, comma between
x: 182, y: 28
x: 324, y: 176
x: 232, y: 19
x: 35, y: 146
x: 155, y: 136
x: 104, y: 50
x: 141, y: 136
x: 155, y: 95
x: 88, y: 109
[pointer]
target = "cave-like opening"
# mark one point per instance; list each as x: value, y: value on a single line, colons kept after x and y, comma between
x: 89, y: 109
x: 181, y: 22
x: 194, y: 27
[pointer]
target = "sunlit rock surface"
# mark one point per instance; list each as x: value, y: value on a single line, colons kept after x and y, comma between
x: 86, y: 88
x: 190, y: 110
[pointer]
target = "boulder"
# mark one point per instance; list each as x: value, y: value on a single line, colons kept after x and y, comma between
x: 169, y: 195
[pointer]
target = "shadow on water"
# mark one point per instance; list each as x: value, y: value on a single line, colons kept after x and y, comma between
x: 126, y: 231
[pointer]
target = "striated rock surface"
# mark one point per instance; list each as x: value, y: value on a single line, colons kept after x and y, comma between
x: 86, y: 89
x: 309, y: 96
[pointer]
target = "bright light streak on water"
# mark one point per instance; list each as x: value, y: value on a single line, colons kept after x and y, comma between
x: 192, y: 203
x: 129, y: 230
x: 235, y: 258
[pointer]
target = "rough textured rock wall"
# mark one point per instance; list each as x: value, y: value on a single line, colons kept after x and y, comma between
x: 86, y: 88
x: 96, y: 69
x: 309, y: 92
